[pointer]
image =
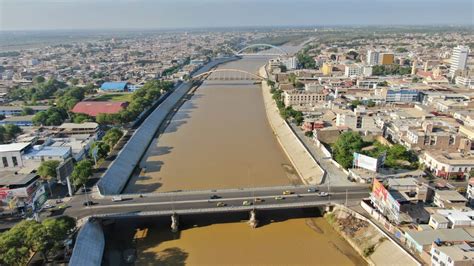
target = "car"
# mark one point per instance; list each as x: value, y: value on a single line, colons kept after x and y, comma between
x: 88, y: 203
x: 220, y: 204
x: 48, y: 206
x: 116, y: 198
x: 323, y: 194
x: 287, y: 192
x: 258, y: 200
x: 279, y: 198
x: 312, y: 190
x: 59, y: 201
x: 246, y: 203
x: 214, y: 197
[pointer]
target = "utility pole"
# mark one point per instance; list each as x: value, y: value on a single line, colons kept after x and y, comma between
x: 346, y: 197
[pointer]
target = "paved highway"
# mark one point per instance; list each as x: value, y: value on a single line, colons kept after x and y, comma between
x: 194, y: 201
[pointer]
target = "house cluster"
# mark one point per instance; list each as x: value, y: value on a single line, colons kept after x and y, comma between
x: 435, y: 121
x: 21, y: 188
x: 433, y: 220
x: 412, y: 94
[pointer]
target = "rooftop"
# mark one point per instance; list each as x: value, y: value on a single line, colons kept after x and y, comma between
x: 96, y: 107
x: 14, y: 147
x: 428, y: 237
x: 48, y: 151
x: 13, y: 178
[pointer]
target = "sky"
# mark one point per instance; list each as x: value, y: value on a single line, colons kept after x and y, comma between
x: 156, y: 14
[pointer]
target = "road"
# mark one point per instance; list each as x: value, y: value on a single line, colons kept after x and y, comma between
x: 334, y: 175
x: 193, y: 201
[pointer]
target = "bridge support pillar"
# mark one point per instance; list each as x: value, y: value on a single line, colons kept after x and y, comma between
x: 174, y: 223
x: 253, y: 222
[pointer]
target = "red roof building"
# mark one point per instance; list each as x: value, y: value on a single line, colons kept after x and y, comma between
x: 94, y: 108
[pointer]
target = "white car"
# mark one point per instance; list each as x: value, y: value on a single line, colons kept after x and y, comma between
x: 116, y: 198
x: 323, y: 194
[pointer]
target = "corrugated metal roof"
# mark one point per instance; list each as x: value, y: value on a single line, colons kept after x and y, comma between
x: 96, y: 107
x: 48, y: 151
x: 114, y: 86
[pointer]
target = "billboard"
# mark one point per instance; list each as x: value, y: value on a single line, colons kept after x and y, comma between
x: 383, y: 197
x: 366, y: 162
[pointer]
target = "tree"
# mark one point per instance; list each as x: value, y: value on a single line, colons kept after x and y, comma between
x: 12, y: 130
x: 27, y: 237
x: 370, y: 103
x: 2, y: 134
x: 102, y: 149
x: 112, y: 137
x: 346, y: 144
x: 13, y: 247
x: 27, y: 111
x: 81, y: 118
x: 47, y: 171
x: 81, y: 173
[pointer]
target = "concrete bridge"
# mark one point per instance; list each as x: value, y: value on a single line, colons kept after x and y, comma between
x: 213, y: 201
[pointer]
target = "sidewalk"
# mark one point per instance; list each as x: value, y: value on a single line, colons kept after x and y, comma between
x: 334, y: 175
x: 308, y: 169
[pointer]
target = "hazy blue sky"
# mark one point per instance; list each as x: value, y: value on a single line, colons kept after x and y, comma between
x: 101, y: 14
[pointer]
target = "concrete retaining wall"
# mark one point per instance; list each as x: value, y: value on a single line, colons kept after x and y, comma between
x: 89, y: 247
x: 117, y: 175
x: 305, y: 165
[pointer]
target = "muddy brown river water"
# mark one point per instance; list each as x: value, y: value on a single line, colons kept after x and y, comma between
x: 220, y: 138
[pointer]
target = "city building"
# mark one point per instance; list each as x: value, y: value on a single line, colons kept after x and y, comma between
x: 357, y: 120
x: 452, y: 253
x: 21, y: 191
x: 357, y: 70
x: 93, y: 108
x: 310, y: 96
x: 8, y: 110
x: 453, y: 218
x: 89, y: 128
x: 327, y: 69
x: 394, y: 94
x: 421, y: 241
x: 114, y: 87
x: 470, y: 191
x: 386, y: 59
x: 21, y: 121
x: 12, y: 155
x: 458, y: 60
x: 448, y: 165
x: 372, y: 58
x: 291, y: 63
x: 449, y: 199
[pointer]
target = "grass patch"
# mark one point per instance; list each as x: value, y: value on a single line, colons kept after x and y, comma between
x: 114, y: 97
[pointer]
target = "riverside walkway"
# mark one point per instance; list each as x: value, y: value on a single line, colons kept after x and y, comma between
x: 305, y: 165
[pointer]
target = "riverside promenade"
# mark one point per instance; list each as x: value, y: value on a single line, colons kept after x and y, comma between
x: 305, y: 165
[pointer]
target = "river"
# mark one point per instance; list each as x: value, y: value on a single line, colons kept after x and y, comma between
x: 220, y: 138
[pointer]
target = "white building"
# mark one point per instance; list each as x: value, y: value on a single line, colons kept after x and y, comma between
x: 11, y: 155
x: 357, y: 70
x: 452, y: 253
x: 310, y: 96
x: 458, y: 59
x: 464, y: 81
x: 290, y: 63
x: 470, y: 191
x: 372, y: 58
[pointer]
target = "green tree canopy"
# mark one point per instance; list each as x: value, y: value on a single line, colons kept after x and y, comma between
x: 112, y: 136
x: 345, y: 146
x: 81, y: 173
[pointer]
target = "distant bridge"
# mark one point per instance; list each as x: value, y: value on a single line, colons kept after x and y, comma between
x: 275, y: 50
x: 229, y: 74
